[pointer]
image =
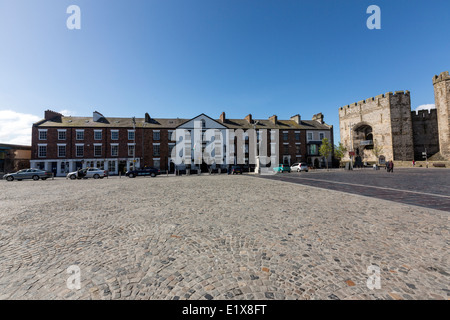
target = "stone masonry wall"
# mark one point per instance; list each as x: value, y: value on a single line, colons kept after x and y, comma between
x: 441, y: 85
x: 425, y: 133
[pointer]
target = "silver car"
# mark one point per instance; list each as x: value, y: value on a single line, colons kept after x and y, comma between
x: 34, y: 174
x: 299, y: 167
x: 85, y: 173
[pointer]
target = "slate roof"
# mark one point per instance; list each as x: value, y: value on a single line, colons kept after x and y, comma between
x: 109, y: 122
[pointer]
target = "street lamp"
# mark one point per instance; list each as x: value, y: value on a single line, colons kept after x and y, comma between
x: 134, y: 143
x: 351, y: 140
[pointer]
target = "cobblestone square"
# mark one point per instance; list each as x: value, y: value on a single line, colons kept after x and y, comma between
x: 216, y: 237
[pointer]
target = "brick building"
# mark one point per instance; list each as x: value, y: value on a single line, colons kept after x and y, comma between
x: 62, y: 144
x: 14, y: 157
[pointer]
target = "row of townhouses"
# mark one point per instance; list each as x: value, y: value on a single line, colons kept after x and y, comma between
x: 62, y: 144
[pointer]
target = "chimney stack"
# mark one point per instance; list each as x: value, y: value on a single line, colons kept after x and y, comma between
x: 147, y: 117
x: 297, y: 119
x: 53, y: 116
x: 273, y: 119
x: 318, y: 117
x: 222, y: 117
x: 249, y: 118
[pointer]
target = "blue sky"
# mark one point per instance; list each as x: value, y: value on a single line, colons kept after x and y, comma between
x: 180, y: 58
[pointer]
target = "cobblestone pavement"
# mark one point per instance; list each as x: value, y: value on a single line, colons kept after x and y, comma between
x: 428, y: 188
x: 215, y: 237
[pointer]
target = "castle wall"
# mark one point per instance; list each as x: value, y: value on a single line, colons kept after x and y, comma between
x: 425, y: 133
x: 442, y: 99
x: 389, y: 115
x: 401, y: 126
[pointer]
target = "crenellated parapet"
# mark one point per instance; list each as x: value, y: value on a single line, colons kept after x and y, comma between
x: 444, y: 76
x: 421, y: 115
x: 387, y: 95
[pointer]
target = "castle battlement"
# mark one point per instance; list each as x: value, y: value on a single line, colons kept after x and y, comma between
x: 442, y: 77
x: 381, y: 96
x: 423, y: 114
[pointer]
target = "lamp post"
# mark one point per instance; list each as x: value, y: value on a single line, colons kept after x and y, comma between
x: 257, y: 149
x: 351, y: 140
x: 134, y: 143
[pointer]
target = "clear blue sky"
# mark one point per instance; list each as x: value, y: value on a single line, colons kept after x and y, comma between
x: 179, y: 58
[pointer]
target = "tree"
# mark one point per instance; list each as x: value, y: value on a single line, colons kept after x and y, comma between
x: 326, y: 149
x: 339, y: 152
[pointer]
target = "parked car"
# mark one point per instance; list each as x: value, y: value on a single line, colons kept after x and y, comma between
x: 236, y: 170
x: 299, y: 167
x: 146, y: 171
x: 34, y: 174
x: 85, y: 173
x: 282, y: 168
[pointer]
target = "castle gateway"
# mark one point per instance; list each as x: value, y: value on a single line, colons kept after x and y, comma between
x: 384, y: 127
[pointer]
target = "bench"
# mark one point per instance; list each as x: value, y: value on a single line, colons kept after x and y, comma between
x: 439, y: 165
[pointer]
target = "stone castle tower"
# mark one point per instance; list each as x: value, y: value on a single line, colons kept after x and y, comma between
x: 441, y: 85
x: 383, y: 122
x: 385, y: 127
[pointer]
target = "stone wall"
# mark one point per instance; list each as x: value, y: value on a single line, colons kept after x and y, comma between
x: 441, y: 85
x: 389, y: 116
x: 425, y: 133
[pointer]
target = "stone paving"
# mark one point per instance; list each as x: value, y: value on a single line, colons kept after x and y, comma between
x: 215, y: 237
x: 429, y: 188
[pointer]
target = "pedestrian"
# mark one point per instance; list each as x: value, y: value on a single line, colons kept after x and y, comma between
x: 392, y: 166
x: 414, y: 163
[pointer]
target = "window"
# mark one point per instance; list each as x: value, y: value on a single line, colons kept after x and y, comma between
x: 321, y: 136
x: 114, y: 150
x: 42, y: 134
x: 297, y: 136
x: 79, y: 150
x: 61, y: 151
x: 114, y: 134
x: 62, y: 135
x: 286, y: 148
x: 156, y: 150
x: 171, y: 136
x: 285, y: 136
x: 97, y: 135
x: 297, y: 149
x: 203, y: 123
x: 131, y: 135
x: 112, y: 166
x: 97, y: 150
x: 80, y: 134
x: 171, y: 146
x: 313, y: 149
x: 310, y: 136
x: 101, y: 165
x: 131, y: 150
x: 42, y: 151
x: 156, y: 135
x: 156, y: 163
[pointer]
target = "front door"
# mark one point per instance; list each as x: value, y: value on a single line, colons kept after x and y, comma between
x: 122, y: 166
x: 54, y: 168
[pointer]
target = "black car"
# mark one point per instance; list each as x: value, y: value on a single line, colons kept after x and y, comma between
x: 147, y: 171
x: 236, y: 170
